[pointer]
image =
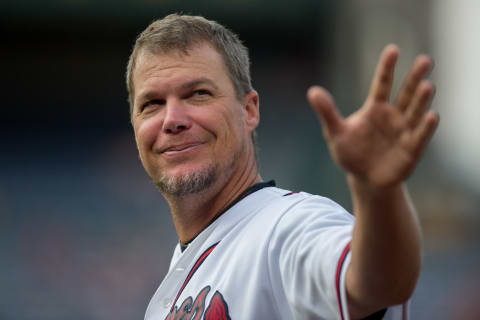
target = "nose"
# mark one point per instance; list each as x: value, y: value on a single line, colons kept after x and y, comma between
x: 176, y: 118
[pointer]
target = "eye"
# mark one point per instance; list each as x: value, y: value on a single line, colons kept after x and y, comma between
x: 201, y: 92
x: 152, y: 104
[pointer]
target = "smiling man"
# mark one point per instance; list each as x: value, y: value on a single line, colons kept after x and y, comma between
x: 249, y: 250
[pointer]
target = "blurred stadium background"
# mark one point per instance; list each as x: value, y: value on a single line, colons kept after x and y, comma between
x: 85, y: 235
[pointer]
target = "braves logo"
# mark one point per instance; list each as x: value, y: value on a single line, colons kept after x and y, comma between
x: 193, y: 310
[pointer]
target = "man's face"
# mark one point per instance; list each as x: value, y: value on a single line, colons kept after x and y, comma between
x: 189, y: 126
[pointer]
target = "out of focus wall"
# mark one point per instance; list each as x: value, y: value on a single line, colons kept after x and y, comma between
x: 83, y: 232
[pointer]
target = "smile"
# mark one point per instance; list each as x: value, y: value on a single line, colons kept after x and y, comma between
x: 182, y: 148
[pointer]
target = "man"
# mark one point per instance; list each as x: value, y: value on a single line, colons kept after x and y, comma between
x: 249, y: 250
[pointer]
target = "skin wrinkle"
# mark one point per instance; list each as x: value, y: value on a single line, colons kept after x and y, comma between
x: 146, y: 54
x: 375, y: 145
x: 250, y: 170
x: 202, y: 181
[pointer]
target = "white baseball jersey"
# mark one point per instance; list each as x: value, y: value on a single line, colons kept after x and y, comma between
x: 273, y: 255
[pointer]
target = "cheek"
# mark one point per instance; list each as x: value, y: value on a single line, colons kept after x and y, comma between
x: 222, y: 126
x: 145, y: 135
x: 232, y: 133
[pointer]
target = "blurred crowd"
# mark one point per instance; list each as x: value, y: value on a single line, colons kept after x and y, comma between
x: 84, y: 234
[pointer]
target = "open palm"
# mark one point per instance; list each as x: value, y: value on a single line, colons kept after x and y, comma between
x: 382, y: 142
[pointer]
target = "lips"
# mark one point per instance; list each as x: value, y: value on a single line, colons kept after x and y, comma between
x: 172, y: 149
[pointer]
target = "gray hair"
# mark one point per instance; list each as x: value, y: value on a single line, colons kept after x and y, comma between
x: 181, y: 32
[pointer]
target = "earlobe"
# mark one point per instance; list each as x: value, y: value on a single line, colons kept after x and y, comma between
x: 252, y: 110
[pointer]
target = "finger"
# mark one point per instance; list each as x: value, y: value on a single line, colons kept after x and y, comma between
x: 323, y: 105
x: 420, y: 103
x: 423, y: 133
x: 422, y: 65
x: 383, y: 78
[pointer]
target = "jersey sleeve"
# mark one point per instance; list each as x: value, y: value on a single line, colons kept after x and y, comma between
x: 309, y: 252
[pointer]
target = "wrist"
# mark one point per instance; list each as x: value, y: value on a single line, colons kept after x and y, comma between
x: 365, y: 189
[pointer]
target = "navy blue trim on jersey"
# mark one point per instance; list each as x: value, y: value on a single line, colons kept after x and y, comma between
x: 338, y: 277
x: 197, y: 264
x: 375, y: 316
x: 218, y: 308
x: 244, y: 194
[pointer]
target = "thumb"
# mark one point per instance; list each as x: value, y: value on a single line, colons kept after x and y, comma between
x: 322, y: 103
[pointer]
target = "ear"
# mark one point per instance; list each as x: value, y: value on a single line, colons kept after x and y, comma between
x: 251, y: 106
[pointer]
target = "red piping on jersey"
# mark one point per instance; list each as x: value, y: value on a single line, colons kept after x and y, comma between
x: 337, y: 277
x: 194, y: 269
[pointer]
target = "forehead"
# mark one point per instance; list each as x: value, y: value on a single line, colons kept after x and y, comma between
x: 201, y: 60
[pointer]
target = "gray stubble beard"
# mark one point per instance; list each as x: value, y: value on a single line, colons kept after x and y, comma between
x: 190, y: 183
x: 195, y: 182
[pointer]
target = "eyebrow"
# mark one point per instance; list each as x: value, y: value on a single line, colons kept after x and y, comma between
x: 197, y: 82
x: 151, y: 94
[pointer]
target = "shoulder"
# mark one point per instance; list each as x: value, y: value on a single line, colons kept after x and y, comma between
x: 289, y: 216
x: 274, y: 215
x: 288, y: 205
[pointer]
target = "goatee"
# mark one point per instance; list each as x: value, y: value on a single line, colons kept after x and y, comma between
x: 190, y: 183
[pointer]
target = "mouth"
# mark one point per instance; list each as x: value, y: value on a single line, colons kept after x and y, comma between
x: 180, y: 148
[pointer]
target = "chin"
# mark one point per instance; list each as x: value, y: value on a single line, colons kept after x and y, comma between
x: 187, y: 182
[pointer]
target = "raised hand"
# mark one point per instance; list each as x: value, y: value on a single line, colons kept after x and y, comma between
x: 382, y: 142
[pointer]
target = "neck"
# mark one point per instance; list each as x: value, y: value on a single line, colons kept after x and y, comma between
x: 193, y: 213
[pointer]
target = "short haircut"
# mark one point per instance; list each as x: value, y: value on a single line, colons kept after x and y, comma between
x: 182, y: 32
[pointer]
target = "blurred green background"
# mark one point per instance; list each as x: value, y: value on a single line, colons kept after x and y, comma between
x: 83, y: 232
